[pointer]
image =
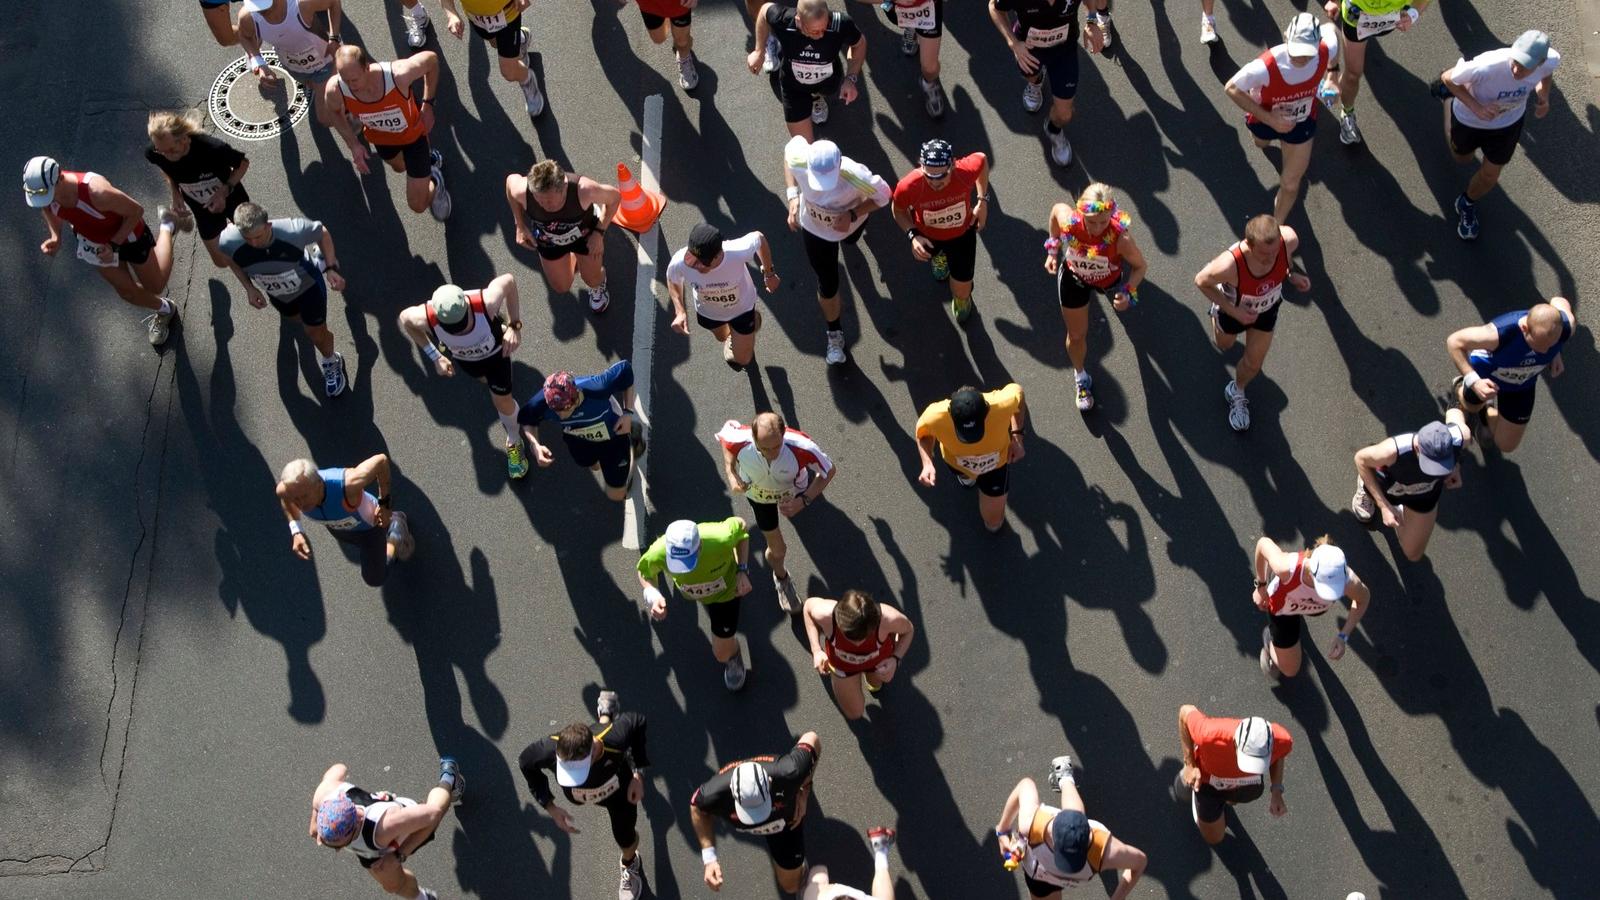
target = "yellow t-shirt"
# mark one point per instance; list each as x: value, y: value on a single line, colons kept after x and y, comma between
x: 489, y: 7
x: 991, y: 451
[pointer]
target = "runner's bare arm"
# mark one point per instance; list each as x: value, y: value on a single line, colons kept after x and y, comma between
x: 1360, y: 601
x: 239, y: 273
x: 333, y: 102
x: 855, y: 58
x: 374, y: 469
x: 422, y: 64
x: 414, y: 322
x: 103, y: 195
x: 1369, y: 460
x: 705, y: 827
x: 817, y: 610
x: 593, y: 193
x: 334, y: 9
x: 763, y: 30
x: 1270, y: 560
x: 1002, y: 24
x: 1136, y: 264
x: 1219, y: 271
x: 1019, y: 419
x: 249, y: 38
x: 1242, y: 99
x: 900, y: 627
x: 1478, y: 337
x: 501, y: 299
x: 406, y: 827
x: 1541, y: 93
x: 516, y: 194
x: 1127, y: 859
x: 51, y: 223
x: 1020, y: 807
x: 1184, y: 739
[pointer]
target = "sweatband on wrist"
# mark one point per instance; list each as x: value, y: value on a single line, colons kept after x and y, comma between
x: 793, y: 193
x: 1411, y: 11
x: 294, y: 528
x: 653, y: 596
x: 431, y: 352
x: 257, y: 61
x: 1470, y: 379
x: 708, y: 855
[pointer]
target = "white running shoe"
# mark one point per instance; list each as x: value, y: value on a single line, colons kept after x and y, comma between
x: 632, y: 884
x: 1060, y: 147
x: 933, y: 98
x: 1208, y: 29
x: 1362, y: 504
x: 440, y: 206
x: 835, y: 355
x: 416, y: 26
x: 334, y: 379
x: 1085, y: 389
x: 1061, y: 770
x: 1032, y: 96
x: 1238, y: 406
x: 158, y: 325
x: 532, y: 97
x: 688, y: 75
x: 1349, y: 133
x: 908, y: 42
x: 599, y: 299
x: 733, y: 675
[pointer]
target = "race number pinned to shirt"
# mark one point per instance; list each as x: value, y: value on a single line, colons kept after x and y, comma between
x: 952, y: 216
x: 596, y: 432
x: 203, y: 190
x: 1048, y: 37
x: 1517, y: 374
x: 705, y: 589
x: 389, y: 121
x: 89, y: 251
x: 722, y: 295
x: 980, y: 465
x: 1089, y: 268
x: 811, y: 73
x: 773, y: 827
x: 595, y: 794
x: 490, y: 23
x: 278, y: 284
x: 822, y: 215
x: 762, y: 494
x: 312, y: 60
x: 1229, y: 784
x: 916, y: 16
x: 559, y: 236
x: 1369, y: 25
x: 1294, y: 110
x: 1260, y: 303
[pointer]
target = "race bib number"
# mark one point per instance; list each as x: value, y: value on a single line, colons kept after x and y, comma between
x: 853, y: 659
x: 773, y: 827
x: 1260, y: 303
x: 704, y: 590
x: 1396, y: 489
x: 595, y: 794
x: 305, y: 63
x: 1303, y: 606
x: 201, y: 191
x: 918, y: 16
x: 1048, y: 37
x: 388, y: 121
x: 811, y: 73
x: 719, y: 296
x: 348, y: 523
x: 596, y: 432
x: 278, y: 284
x: 1229, y: 784
x: 1294, y: 110
x: 1517, y: 374
x: 561, y: 237
x: 762, y: 494
x: 980, y: 465
x: 1368, y: 24
x: 952, y: 216
x: 1089, y: 268
x: 476, y: 352
x: 89, y: 252
x: 492, y: 23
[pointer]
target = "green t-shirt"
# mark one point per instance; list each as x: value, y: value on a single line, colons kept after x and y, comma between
x: 715, y: 577
x: 1352, y: 9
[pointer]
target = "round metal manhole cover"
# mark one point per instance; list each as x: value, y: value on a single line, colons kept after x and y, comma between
x: 249, y: 110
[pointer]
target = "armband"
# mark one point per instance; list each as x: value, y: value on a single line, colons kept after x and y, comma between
x: 1052, y: 245
x: 385, y: 501
x: 793, y: 193
x: 653, y: 595
x: 1412, y: 12
x: 294, y: 527
x: 431, y: 352
x: 1277, y: 788
x: 1470, y: 379
x: 708, y: 855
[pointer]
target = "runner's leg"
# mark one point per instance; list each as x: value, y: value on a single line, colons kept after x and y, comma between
x: 1296, y: 157
x: 928, y: 57
x: 993, y: 511
x: 1483, y: 180
x: 156, y: 270
x: 220, y: 20
x: 122, y: 281
x: 592, y: 266
x: 1414, y: 531
x: 1077, y: 322
x: 559, y: 272
x: 1354, y: 64
x: 776, y: 552
x: 1256, y: 345
x: 1507, y: 434
x: 848, y: 693
x: 321, y: 338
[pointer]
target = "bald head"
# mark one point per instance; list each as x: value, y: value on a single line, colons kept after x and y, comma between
x: 811, y: 10
x: 767, y: 424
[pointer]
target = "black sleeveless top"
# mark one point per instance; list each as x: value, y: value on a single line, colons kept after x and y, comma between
x: 564, y: 227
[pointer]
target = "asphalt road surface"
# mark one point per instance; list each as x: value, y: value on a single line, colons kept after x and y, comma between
x: 173, y: 681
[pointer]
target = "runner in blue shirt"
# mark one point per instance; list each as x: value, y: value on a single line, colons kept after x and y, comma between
x: 596, y: 416
x: 1500, y: 362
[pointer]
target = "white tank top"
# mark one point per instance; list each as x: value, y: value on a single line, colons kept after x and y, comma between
x: 365, y: 843
x: 478, y: 343
x: 299, y: 48
x: 1040, y: 863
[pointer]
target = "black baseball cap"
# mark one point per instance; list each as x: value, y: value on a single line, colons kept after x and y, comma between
x: 1069, y: 838
x: 968, y: 410
x: 705, y: 242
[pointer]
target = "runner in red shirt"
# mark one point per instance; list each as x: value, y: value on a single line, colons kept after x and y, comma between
x: 856, y: 637
x: 111, y: 236
x: 656, y: 15
x: 933, y: 204
x: 1291, y: 586
x: 1224, y: 763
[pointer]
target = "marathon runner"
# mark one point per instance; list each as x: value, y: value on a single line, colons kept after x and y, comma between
x: 856, y: 638
x: 1405, y: 475
x: 724, y: 294
x: 1061, y: 847
x: 1245, y: 286
x: 819, y: 887
x: 1278, y: 93
x: 921, y: 24
x: 477, y: 332
x: 1091, y: 250
x: 1362, y: 21
x: 1291, y: 586
x: 979, y: 435
x: 830, y: 196
x: 564, y: 216
x: 1043, y: 36
x: 810, y: 38
x: 656, y: 15
x: 500, y: 23
x: 779, y: 470
x: 111, y: 234
x: 934, y: 206
x: 219, y: 18
x: 1223, y: 764
x: 384, y: 98
x: 604, y: 767
x: 709, y: 563
x: 764, y: 795
x: 414, y: 16
x: 206, y: 175
x: 1500, y: 362
x: 339, y: 499
x: 304, y: 46
x: 1489, y: 102
x: 283, y: 261
x: 597, y: 423
x: 381, y: 829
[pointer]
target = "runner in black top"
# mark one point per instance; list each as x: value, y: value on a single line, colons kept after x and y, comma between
x: 811, y: 38
x: 1044, y: 40
x: 604, y: 768
x: 1404, y: 476
x: 205, y: 174
x: 564, y: 216
x: 764, y: 795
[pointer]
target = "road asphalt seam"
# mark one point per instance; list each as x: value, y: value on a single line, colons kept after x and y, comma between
x: 635, y: 513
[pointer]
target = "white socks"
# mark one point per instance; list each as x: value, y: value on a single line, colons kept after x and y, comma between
x: 880, y: 859
x: 509, y: 423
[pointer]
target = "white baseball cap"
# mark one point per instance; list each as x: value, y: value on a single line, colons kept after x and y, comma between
x: 1328, y: 572
x: 822, y: 166
x: 752, y: 793
x: 1252, y: 744
x: 683, y: 546
x: 39, y: 179
x: 1302, y: 36
x: 257, y: 5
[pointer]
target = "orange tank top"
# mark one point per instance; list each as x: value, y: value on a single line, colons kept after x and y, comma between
x: 393, y: 120
x: 1095, y: 259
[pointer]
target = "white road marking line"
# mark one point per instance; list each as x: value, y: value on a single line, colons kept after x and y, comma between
x: 636, y: 509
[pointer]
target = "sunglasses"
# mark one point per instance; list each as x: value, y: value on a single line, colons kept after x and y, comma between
x: 935, y: 176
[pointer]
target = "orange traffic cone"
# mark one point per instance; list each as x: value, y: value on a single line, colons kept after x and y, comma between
x: 640, y: 208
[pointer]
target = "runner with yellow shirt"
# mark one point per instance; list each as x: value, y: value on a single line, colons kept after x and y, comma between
x: 1361, y: 21
x: 709, y: 563
x: 500, y: 23
x: 979, y: 435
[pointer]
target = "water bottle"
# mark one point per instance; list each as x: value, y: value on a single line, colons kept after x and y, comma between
x: 1328, y: 93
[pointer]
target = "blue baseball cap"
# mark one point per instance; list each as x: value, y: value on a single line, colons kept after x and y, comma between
x: 1069, y: 840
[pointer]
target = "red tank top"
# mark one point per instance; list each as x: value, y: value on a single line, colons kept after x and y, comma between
x: 87, y: 222
x: 393, y: 120
x: 1296, y: 102
x: 855, y: 657
x: 1096, y: 260
x: 1260, y: 294
x: 474, y: 298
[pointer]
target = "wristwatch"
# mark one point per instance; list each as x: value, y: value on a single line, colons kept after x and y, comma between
x: 744, y: 568
x: 516, y: 324
x: 384, y: 501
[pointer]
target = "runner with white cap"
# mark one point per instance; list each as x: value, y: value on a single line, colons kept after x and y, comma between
x: 1290, y: 586
x: 304, y: 45
x: 709, y: 563
x: 1405, y: 475
x: 1490, y: 101
x: 1060, y: 846
x: 1278, y: 93
x: 604, y: 766
x: 764, y: 795
x: 724, y: 295
x: 830, y: 196
x: 476, y: 332
x: 1225, y: 762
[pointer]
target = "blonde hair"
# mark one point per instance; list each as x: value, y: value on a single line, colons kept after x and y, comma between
x: 546, y: 176
x: 1097, y: 192
x: 174, y: 123
x: 298, y: 471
